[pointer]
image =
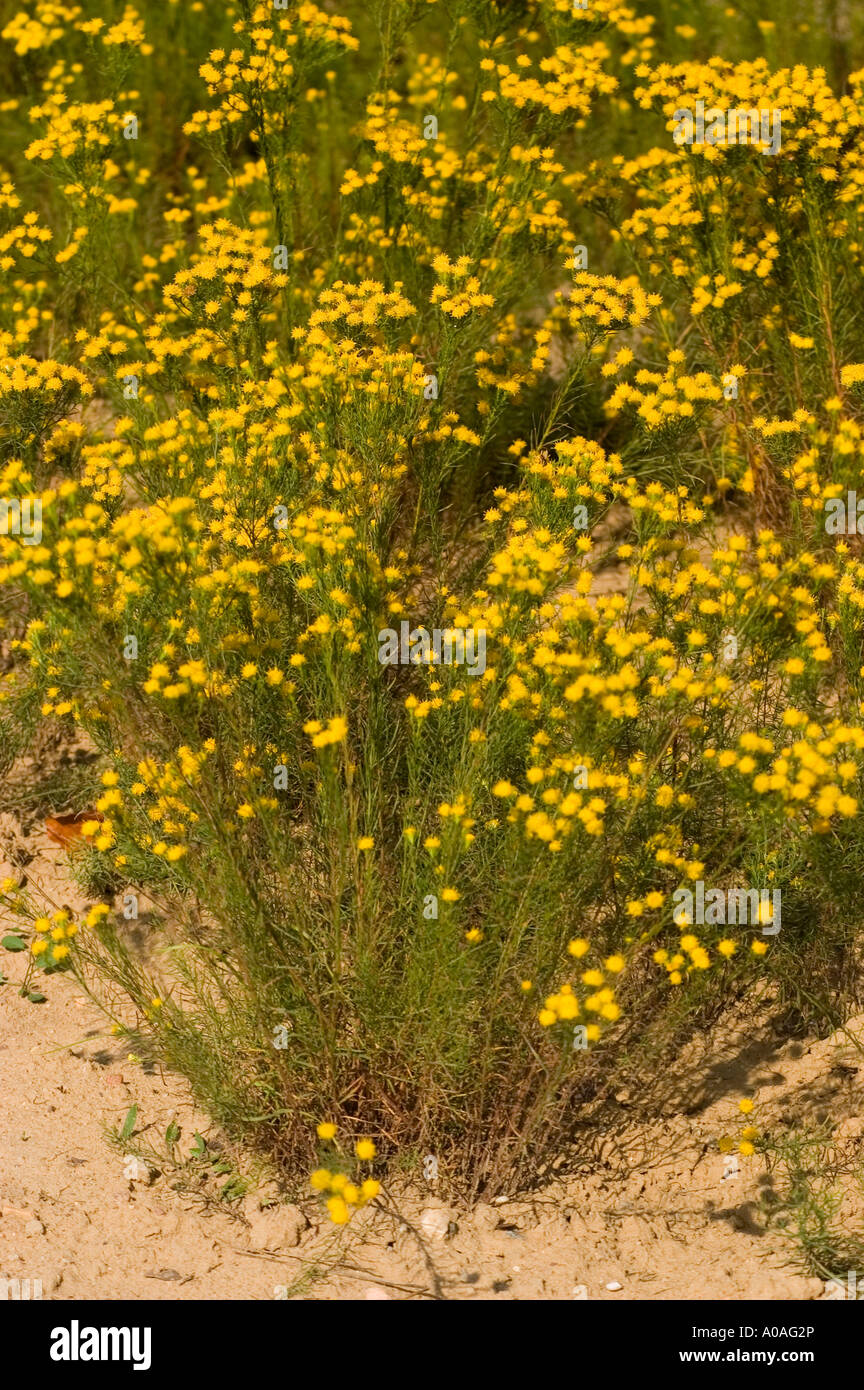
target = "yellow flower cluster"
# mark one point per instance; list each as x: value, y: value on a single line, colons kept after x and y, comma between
x: 663, y: 397
x: 346, y: 1196
x: 50, y: 944
x: 602, y: 304
x: 335, y: 732
x: 744, y: 1143
x: 565, y: 1005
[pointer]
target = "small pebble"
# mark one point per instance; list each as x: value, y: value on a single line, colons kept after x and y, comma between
x: 435, y: 1223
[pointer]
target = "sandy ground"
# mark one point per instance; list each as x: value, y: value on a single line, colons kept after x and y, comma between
x: 648, y: 1215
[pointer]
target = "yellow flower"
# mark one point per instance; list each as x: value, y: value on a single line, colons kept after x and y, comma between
x: 326, y: 1130
x: 336, y: 730
x: 338, y: 1210
x: 320, y: 1179
x: 365, y: 1149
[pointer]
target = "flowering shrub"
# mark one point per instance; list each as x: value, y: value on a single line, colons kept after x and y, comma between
x: 295, y: 347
